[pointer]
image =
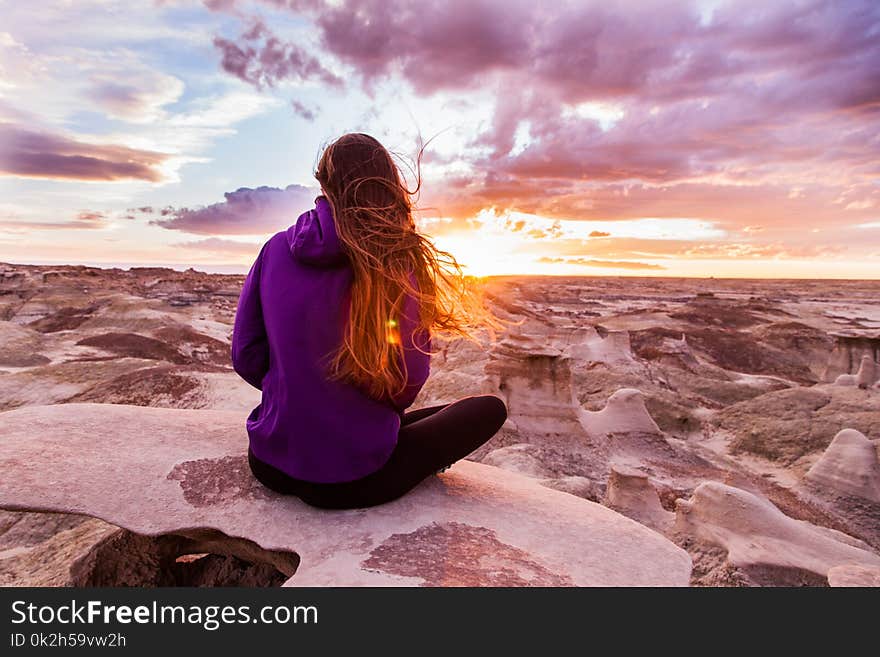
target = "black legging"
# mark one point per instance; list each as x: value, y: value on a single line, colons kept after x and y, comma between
x: 429, y: 439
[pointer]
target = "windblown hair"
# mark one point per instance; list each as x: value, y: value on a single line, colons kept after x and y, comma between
x: 373, y: 209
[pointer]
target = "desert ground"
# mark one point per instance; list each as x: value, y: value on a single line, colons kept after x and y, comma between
x: 739, y: 419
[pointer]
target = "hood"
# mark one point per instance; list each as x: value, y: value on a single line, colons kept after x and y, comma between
x: 313, y: 240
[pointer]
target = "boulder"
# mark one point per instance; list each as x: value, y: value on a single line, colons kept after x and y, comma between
x: 181, y: 477
x: 761, y: 541
x: 631, y: 493
x: 576, y: 485
x: 849, y: 466
x: 625, y: 412
x: 846, y: 380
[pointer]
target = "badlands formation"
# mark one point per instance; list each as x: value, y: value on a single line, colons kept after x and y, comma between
x: 661, y: 432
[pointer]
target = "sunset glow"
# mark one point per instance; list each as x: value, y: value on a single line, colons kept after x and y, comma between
x: 698, y: 138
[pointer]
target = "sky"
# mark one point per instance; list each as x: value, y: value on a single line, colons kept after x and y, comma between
x: 693, y: 138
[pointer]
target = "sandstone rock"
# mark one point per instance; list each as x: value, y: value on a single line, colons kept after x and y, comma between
x: 845, y: 380
x: 760, y: 540
x: 678, y: 352
x: 133, y: 345
x: 535, y: 383
x: 183, y: 474
x: 19, y: 530
x: 849, y: 466
x: 867, y: 373
x: 457, y: 370
x: 21, y: 346
x: 545, y: 460
x: 567, y: 350
x: 517, y: 458
x: 48, y: 561
x: 854, y: 576
x: 624, y: 412
x: 631, y: 493
x: 49, y: 319
x: 611, y: 349
x: 785, y: 425
x: 799, y: 341
x: 741, y: 351
x: 576, y: 485
x: 849, y: 348
x: 705, y: 310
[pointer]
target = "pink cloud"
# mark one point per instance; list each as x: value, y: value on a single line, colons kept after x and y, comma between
x: 589, y: 262
x: 262, y: 59
x: 243, y: 212
x: 85, y: 219
x: 731, y: 207
x: 36, y: 154
x: 759, y: 91
x: 301, y: 110
x: 719, y: 119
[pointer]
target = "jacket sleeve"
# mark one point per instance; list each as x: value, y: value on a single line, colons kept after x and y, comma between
x: 250, y: 346
x: 416, y: 343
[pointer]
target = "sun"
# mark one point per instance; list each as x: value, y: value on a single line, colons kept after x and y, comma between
x: 484, y: 255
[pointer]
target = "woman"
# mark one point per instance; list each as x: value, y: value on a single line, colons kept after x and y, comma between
x: 334, y: 326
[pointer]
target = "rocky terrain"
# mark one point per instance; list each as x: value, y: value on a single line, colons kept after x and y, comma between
x: 737, y: 421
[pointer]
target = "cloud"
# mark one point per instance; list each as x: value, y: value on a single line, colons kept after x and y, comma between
x: 654, y: 96
x: 262, y: 59
x: 35, y: 153
x: 85, y: 219
x: 244, y: 212
x: 731, y: 207
x: 599, y: 233
x: 589, y: 262
x: 121, y: 85
x: 654, y: 249
x: 301, y: 110
x: 137, y: 98
x: 589, y: 50
x: 738, y: 251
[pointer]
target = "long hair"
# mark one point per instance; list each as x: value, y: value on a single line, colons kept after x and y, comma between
x: 372, y: 208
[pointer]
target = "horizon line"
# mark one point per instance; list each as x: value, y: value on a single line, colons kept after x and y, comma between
x: 183, y: 268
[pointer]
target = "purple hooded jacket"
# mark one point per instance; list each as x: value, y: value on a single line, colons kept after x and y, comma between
x: 291, y: 314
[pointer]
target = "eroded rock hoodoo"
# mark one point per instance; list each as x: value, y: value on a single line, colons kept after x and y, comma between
x: 631, y: 493
x: 625, y: 412
x: 867, y: 374
x: 848, y: 467
x: 848, y: 351
x: 763, y: 544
